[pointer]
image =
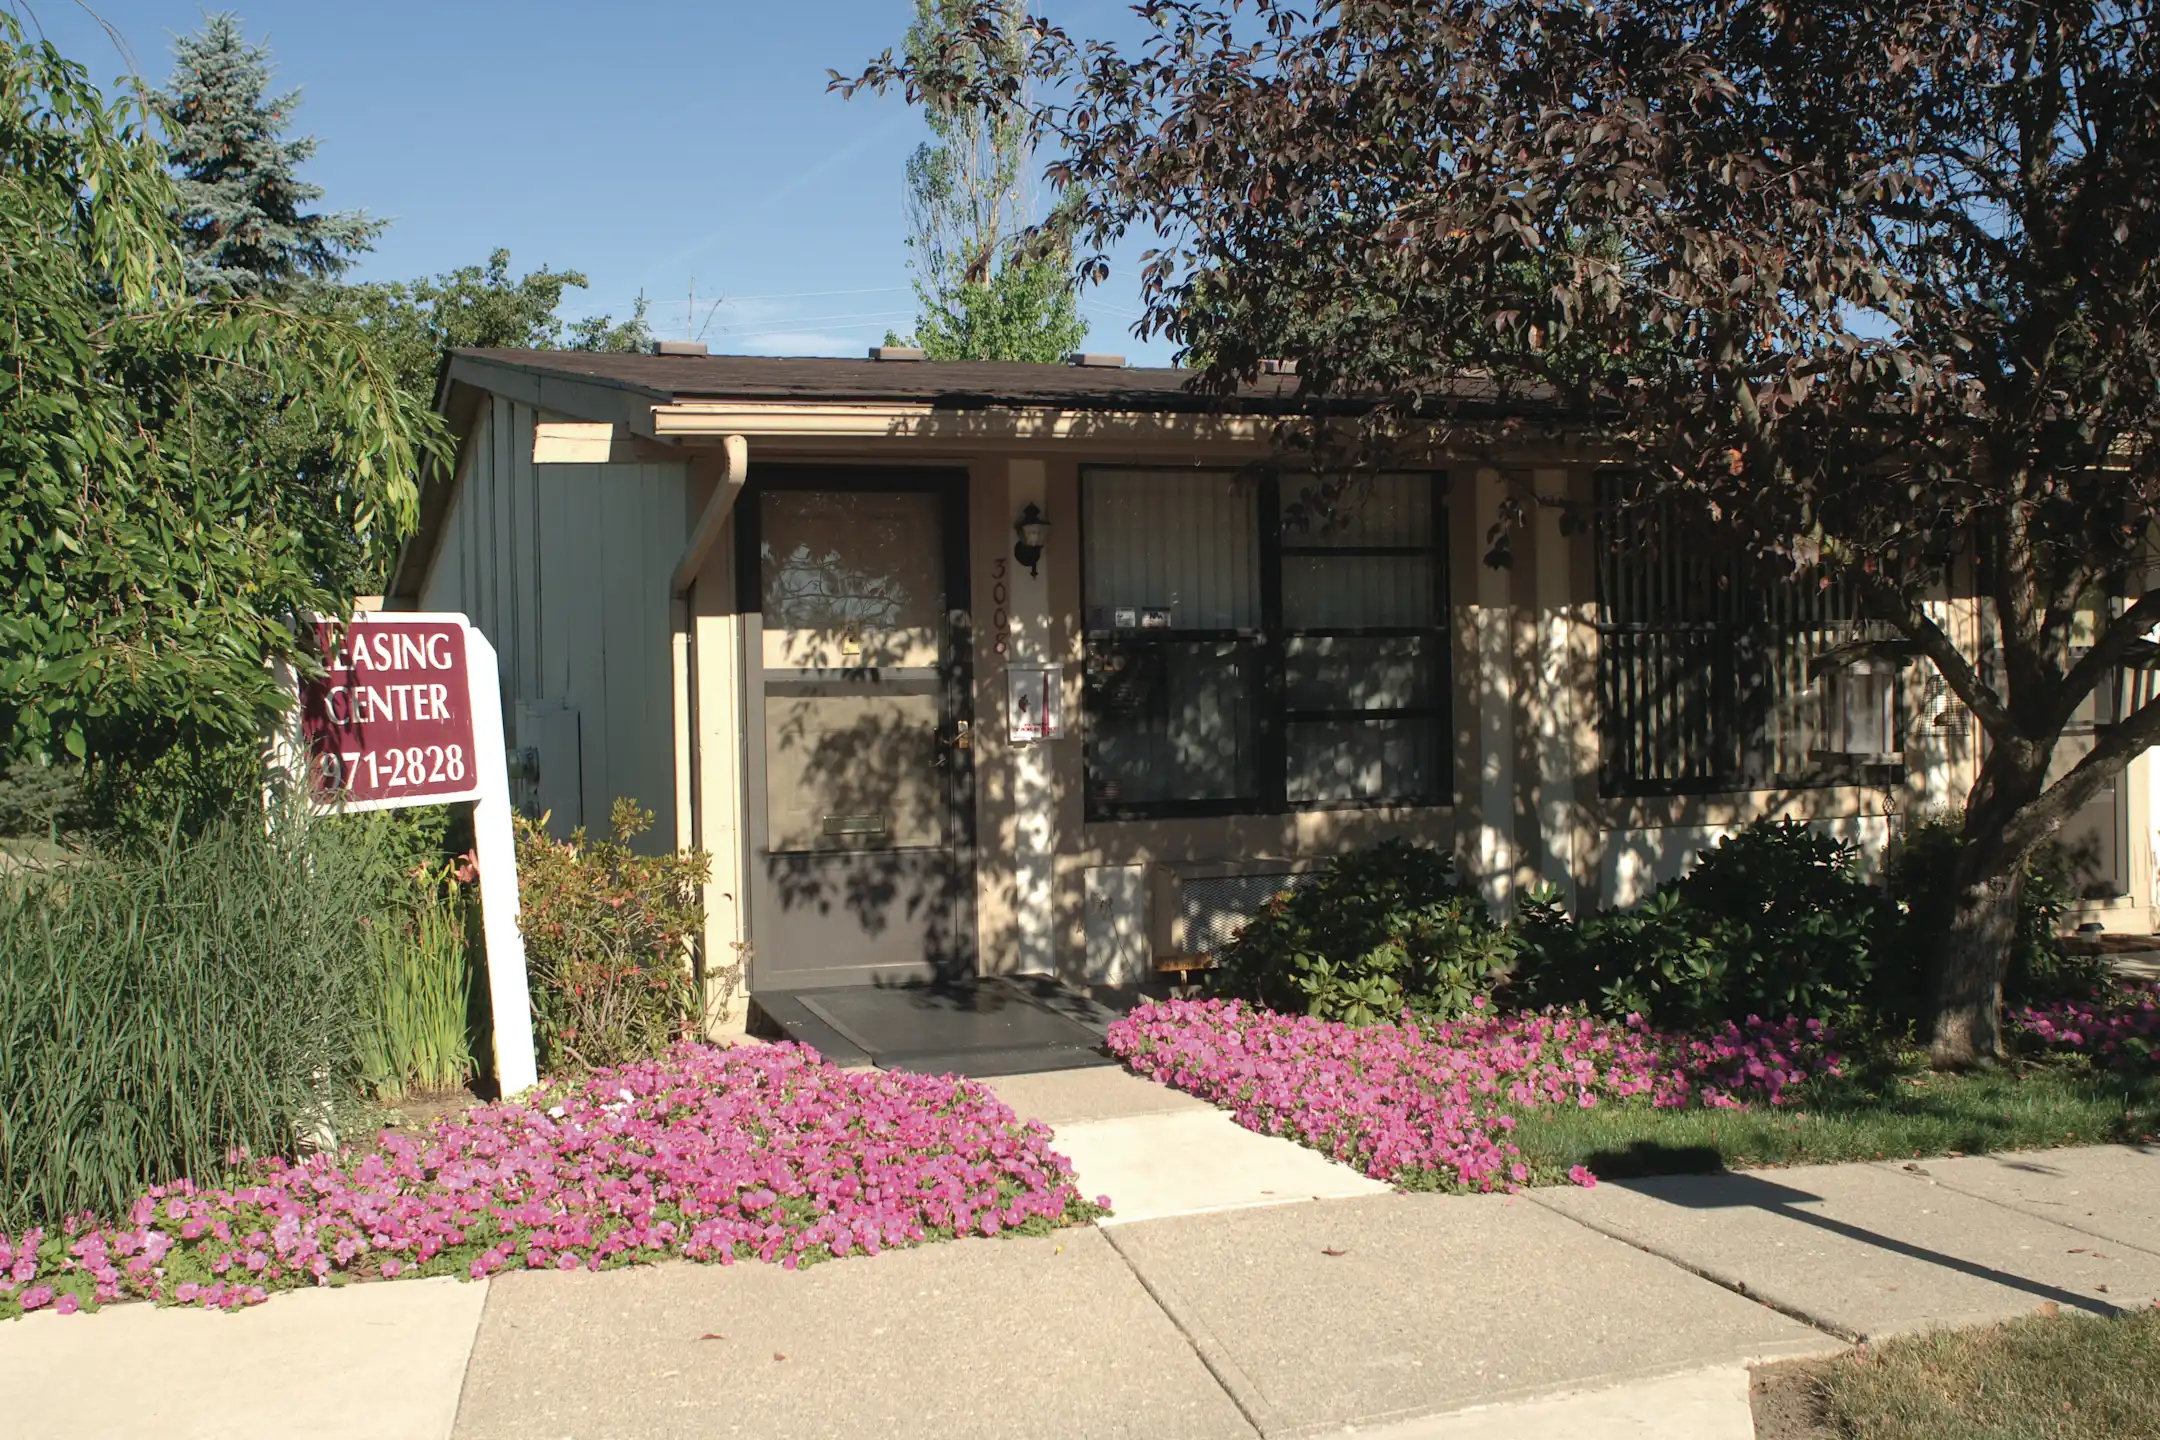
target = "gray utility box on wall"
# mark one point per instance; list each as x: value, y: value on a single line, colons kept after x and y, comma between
x: 1116, y: 925
x: 547, y: 771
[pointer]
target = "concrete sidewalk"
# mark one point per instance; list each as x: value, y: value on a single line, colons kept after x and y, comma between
x: 1867, y: 1251
x: 1222, y: 1300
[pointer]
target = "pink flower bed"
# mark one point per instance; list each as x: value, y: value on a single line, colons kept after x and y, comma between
x: 2121, y: 1026
x: 761, y: 1152
x: 1430, y: 1105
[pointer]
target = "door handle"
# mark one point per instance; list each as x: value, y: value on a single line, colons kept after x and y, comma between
x: 962, y: 738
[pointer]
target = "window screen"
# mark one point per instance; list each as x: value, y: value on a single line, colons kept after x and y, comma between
x: 1238, y: 663
x: 1362, y: 643
x: 1174, y: 653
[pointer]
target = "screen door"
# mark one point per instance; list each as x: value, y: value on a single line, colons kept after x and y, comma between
x: 861, y: 840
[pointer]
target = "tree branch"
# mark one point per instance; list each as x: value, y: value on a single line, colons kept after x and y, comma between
x: 2118, y: 745
x: 2106, y: 653
x: 1956, y: 670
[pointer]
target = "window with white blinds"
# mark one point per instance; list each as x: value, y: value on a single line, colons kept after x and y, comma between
x: 1240, y: 662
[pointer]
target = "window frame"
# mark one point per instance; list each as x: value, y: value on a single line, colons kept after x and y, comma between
x: 1272, y: 714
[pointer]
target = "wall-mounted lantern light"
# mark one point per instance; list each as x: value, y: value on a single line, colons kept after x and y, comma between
x: 1030, y: 527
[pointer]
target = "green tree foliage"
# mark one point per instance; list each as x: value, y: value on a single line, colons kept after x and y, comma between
x: 244, y: 224
x: 413, y: 324
x: 145, y: 583
x: 990, y: 284
x: 1860, y: 290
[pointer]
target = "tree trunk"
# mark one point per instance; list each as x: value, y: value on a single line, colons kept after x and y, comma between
x: 1969, y: 971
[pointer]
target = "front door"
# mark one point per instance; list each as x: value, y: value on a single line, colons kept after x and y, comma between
x: 862, y: 787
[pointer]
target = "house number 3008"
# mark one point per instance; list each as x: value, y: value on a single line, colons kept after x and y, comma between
x: 1000, y: 621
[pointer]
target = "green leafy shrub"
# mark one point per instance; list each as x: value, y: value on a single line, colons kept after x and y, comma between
x: 420, y: 1038
x: 608, y: 936
x: 166, y: 1004
x: 1381, y: 931
x: 1659, y: 959
x: 1775, y: 921
x: 1921, y: 900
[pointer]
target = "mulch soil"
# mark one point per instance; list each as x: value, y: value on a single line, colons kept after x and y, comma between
x: 1787, y: 1402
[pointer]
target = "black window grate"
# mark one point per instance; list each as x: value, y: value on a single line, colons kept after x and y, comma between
x: 1708, y: 681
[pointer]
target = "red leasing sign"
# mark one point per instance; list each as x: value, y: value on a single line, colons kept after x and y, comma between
x: 390, y: 721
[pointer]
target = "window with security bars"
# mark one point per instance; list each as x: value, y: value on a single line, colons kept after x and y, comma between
x: 1708, y: 682
x: 1239, y: 662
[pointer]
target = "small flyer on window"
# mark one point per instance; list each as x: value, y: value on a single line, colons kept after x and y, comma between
x: 1155, y: 617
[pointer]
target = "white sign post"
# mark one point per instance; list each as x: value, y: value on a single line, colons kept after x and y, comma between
x: 509, y: 998
x: 410, y: 713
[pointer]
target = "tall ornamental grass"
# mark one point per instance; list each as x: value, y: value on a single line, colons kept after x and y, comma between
x: 421, y: 972
x: 165, y: 1008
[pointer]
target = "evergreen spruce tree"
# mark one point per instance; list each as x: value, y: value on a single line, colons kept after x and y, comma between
x: 242, y: 212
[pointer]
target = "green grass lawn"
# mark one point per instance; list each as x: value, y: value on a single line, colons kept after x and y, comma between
x: 2061, y: 1377
x: 1888, y: 1107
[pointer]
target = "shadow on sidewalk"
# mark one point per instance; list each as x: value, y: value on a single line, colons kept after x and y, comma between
x: 1706, y: 1185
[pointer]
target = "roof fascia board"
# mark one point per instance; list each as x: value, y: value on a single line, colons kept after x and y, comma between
x: 586, y: 399
x: 923, y: 421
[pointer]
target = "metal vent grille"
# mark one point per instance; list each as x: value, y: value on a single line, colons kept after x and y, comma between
x: 1211, y: 911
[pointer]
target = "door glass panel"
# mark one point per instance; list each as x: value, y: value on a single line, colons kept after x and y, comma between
x: 850, y: 579
x: 853, y: 772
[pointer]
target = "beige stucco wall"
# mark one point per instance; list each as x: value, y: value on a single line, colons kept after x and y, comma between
x: 566, y: 567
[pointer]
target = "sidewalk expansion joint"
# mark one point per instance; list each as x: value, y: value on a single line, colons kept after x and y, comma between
x: 1234, y: 1383
x: 1790, y: 1312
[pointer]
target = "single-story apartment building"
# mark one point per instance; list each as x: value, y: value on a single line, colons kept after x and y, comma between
x: 965, y: 669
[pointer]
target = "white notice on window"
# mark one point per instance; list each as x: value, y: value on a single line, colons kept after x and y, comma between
x: 1034, y: 705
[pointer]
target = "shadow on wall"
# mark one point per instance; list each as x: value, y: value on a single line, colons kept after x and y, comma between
x: 1636, y: 862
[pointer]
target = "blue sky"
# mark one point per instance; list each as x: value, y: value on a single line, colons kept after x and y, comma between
x: 654, y: 146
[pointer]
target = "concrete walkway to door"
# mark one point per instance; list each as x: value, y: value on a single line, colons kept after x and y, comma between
x: 1224, y: 1299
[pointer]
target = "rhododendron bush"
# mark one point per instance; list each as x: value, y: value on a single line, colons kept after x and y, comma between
x: 763, y: 1153
x: 1432, y: 1105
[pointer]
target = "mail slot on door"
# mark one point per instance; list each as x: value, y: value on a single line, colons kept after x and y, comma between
x: 854, y: 824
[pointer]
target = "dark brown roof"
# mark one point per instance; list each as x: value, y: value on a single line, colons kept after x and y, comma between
x: 951, y: 385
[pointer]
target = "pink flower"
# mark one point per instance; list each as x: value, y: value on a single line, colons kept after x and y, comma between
x: 708, y: 1153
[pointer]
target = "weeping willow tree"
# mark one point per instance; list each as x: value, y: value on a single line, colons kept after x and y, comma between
x: 145, y: 580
